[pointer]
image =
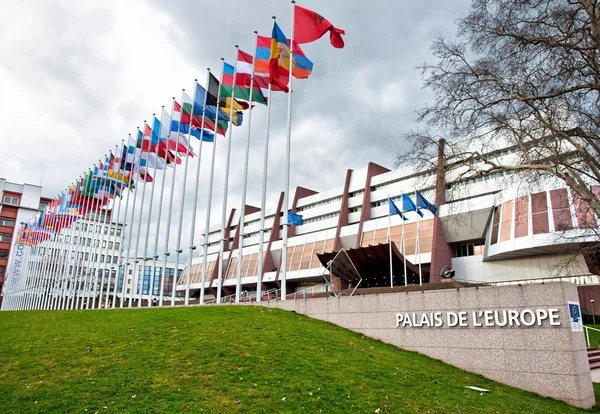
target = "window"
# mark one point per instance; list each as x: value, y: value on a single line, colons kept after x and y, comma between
x: 110, y: 245
x: 118, y: 231
x: 89, y: 242
x: 108, y: 259
x: 117, y: 245
x: 5, y: 238
x: 469, y: 249
x: 96, y: 243
x: 157, y: 276
x: 87, y: 255
x: 2, y: 270
x: 103, y: 243
x: 3, y: 254
x: 115, y: 259
x: 101, y: 258
x: 10, y: 200
x: 7, y: 222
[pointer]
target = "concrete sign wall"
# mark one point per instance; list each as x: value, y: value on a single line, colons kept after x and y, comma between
x: 518, y: 335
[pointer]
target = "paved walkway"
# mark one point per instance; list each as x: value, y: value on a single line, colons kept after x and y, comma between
x: 596, y: 375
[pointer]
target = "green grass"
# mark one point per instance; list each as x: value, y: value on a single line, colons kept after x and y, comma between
x: 594, y: 336
x: 227, y: 360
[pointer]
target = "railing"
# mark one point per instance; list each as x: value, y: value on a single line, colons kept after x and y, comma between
x: 587, y: 334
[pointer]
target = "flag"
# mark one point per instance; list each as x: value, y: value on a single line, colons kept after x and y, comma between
x: 422, y: 202
x: 409, y: 205
x: 211, y: 109
x: 279, y: 59
x: 240, y: 92
x: 310, y: 26
x: 302, y: 69
x: 394, y: 209
x: 186, y: 114
x: 225, y: 103
x: 295, y: 219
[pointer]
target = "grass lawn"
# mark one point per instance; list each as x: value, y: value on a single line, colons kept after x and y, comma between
x: 594, y: 336
x: 227, y: 360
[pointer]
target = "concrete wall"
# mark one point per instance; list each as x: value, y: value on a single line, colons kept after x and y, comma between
x: 549, y: 360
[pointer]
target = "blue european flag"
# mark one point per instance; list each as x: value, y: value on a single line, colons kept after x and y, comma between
x: 409, y: 205
x: 422, y: 202
x: 295, y: 219
x: 394, y: 209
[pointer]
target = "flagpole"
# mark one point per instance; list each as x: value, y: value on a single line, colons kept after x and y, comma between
x: 404, y: 243
x: 58, y: 269
x: 263, y: 202
x: 104, y: 231
x: 145, y: 254
x: 119, y: 187
x: 79, y: 261
x: 192, y: 247
x: 390, y: 241
x: 88, y: 249
x: 226, y: 185
x: 65, y: 271
x: 240, y: 261
x: 162, y: 190
x: 153, y: 268
x: 178, y: 250
x: 418, y: 245
x: 93, y: 249
x: 210, y: 188
x: 171, y: 203
x: 121, y: 263
x: 82, y: 273
x: 47, y: 277
x: 288, y: 145
x: 139, y: 229
x: 125, y: 270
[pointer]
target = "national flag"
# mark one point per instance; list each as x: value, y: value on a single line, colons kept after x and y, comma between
x: 280, y: 61
x: 409, y: 205
x: 394, y: 209
x: 240, y: 92
x: 186, y: 113
x: 302, y: 69
x: 176, y: 117
x: 422, y: 202
x: 209, y: 124
x: 225, y: 102
x: 211, y: 110
x: 310, y: 26
x: 295, y: 219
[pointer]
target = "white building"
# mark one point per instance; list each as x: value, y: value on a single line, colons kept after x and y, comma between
x: 489, y: 229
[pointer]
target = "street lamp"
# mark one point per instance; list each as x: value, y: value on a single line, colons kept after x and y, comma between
x: 593, y: 313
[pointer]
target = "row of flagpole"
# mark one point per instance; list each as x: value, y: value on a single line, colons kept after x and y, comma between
x: 76, y: 286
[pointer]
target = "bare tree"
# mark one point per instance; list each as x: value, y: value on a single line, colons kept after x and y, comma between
x: 522, y: 74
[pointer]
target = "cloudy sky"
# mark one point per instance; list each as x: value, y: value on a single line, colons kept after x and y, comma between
x: 77, y: 76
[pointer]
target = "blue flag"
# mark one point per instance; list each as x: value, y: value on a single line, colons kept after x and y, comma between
x: 422, y: 202
x: 295, y: 219
x: 207, y: 136
x: 394, y: 209
x: 409, y: 205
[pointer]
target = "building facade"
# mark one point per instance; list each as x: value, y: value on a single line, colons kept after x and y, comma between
x: 490, y: 228
x: 18, y: 202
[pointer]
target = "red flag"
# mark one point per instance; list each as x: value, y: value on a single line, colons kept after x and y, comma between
x: 310, y: 26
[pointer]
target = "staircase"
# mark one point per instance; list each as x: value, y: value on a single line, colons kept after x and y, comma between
x: 593, y: 357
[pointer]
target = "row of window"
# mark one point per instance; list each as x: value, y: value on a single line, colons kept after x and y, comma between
x: 319, y: 203
x: 5, y: 238
x: 7, y: 222
x: 469, y: 249
x: 10, y: 200
x: 323, y: 217
x: 481, y: 178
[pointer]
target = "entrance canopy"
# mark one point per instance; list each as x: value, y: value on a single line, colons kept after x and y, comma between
x: 373, y: 265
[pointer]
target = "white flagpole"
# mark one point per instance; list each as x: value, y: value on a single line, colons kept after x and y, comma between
x: 181, y: 204
x: 404, y: 243
x: 418, y: 246
x: 390, y: 241
x: 263, y: 202
x: 288, y: 145
x: 92, y: 249
x: 88, y: 249
x: 64, y: 273
x: 171, y: 206
x: 226, y: 185
x: 210, y: 190
x: 79, y: 250
x: 162, y: 190
x: 145, y: 254
x: 238, y: 287
x: 119, y: 187
x: 139, y: 230
x: 98, y: 249
x: 192, y: 247
x: 126, y: 268
x: 120, y: 262
x: 58, y: 270
x: 160, y: 200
